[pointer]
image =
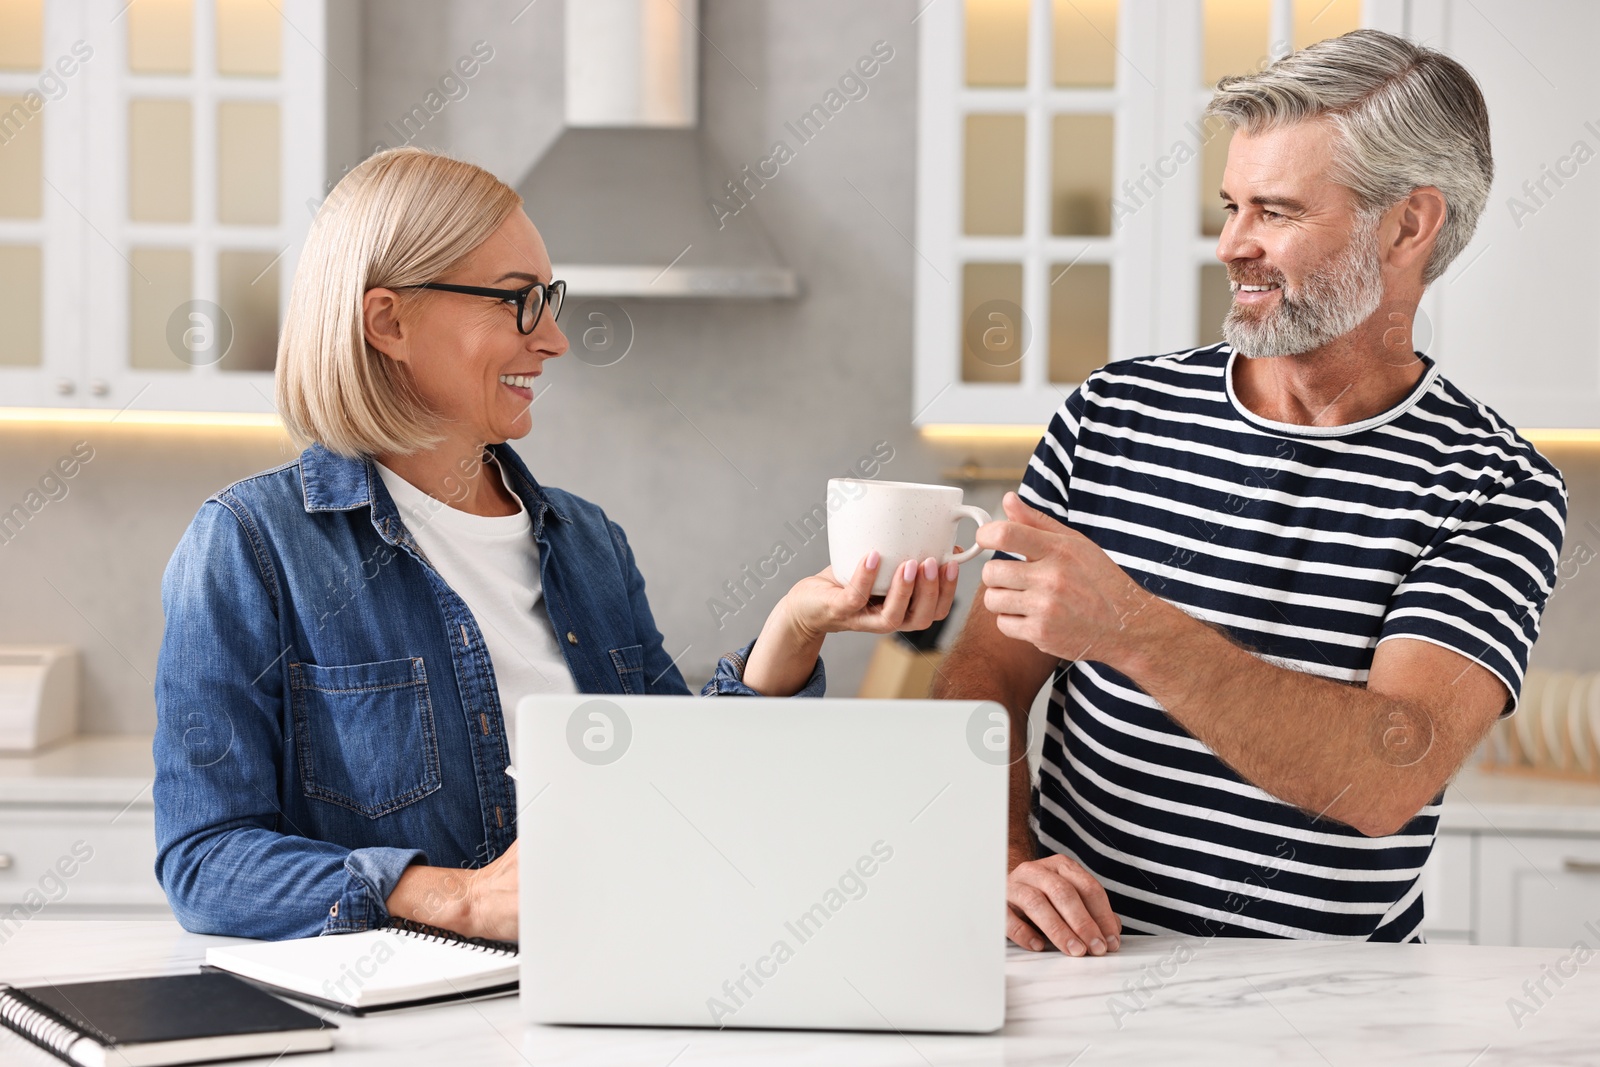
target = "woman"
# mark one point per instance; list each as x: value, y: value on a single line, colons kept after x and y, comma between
x: 344, y: 633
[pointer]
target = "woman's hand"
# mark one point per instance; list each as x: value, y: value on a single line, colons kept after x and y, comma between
x: 492, y: 898
x: 476, y: 903
x: 786, y: 652
x: 918, y: 597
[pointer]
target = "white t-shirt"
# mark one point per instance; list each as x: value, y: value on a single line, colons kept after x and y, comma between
x: 492, y: 563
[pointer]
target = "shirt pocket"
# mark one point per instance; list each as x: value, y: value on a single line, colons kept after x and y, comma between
x: 365, y: 734
x: 629, y: 663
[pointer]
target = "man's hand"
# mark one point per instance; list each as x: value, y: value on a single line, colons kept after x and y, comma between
x: 1065, y: 596
x: 1055, y: 898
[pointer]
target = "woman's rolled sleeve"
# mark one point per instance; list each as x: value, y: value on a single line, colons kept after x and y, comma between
x: 370, y: 876
x: 728, y: 679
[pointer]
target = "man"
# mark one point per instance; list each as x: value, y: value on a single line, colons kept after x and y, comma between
x: 1284, y: 584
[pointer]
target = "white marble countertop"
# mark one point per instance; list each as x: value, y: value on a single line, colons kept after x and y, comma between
x: 1159, y: 1001
x: 87, y: 769
x: 1517, y: 803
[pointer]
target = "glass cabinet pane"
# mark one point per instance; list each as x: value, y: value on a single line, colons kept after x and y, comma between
x: 1236, y: 33
x: 1080, y: 320
x: 994, y: 332
x: 21, y: 34
x: 1213, y: 164
x: 159, y: 161
x: 160, y: 36
x: 249, y: 38
x: 1317, y: 20
x: 995, y: 148
x: 997, y: 42
x: 1085, y: 42
x: 1215, y: 299
x: 247, y: 163
x: 1080, y: 175
x: 21, y: 160
x: 21, y: 298
x: 159, y: 284
x: 247, y: 283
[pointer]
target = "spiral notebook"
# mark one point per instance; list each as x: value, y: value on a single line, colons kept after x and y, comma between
x: 153, y: 1022
x: 402, y: 965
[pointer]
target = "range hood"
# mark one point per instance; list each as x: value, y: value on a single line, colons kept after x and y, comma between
x: 624, y: 197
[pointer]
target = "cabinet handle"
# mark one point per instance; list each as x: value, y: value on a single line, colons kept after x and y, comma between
x: 1577, y: 866
x: 5, y: 861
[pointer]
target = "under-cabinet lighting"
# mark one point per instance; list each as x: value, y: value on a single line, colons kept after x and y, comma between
x: 982, y: 433
x: 105, y: 416
x: 1541, y: 438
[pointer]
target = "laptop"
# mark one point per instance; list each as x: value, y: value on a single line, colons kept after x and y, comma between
x: 746, y: 862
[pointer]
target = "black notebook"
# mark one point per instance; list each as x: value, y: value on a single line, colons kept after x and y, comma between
x: 151, y: 1022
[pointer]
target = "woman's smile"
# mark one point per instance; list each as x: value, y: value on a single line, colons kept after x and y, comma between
x: 520, y: 384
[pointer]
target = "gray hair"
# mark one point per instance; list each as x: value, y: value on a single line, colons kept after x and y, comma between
x: 1405, y: 116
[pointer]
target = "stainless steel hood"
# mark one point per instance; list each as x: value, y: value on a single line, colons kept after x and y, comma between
x: 624, y: 197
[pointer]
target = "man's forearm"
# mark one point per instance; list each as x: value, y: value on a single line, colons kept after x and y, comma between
x: 1019, y: 841
x: 1370, y: 757
x: 1356, y: 756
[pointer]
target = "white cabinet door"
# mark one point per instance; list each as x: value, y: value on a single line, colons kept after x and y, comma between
x: 76, y: 861
x: 1542, y: 891
x: 45, y: 63
x: 1513, y: 319
x: 206, y: 144
x: 1018, y: 301
x: 159, y: 169
x: 1448, y: 889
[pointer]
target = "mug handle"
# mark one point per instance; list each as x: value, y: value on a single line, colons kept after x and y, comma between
x: 977, y: 515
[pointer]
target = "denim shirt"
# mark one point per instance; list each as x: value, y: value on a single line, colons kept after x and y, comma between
x: 326, y: 710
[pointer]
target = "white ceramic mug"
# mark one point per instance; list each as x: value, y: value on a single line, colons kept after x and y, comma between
x: 902, y: 520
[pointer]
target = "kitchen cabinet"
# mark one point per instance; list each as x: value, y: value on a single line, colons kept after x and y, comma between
x: 77, y: 833
x: 149, y: 234
x: 1517, y: 862
x: 42, y: 141
x: 1539, y: 890
x: 1449, y: 888
x: 1512, y: 320
x: 1067, y: 205
x: 79, y: 862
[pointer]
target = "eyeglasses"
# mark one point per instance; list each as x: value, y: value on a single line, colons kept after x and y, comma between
x: 530, y: 302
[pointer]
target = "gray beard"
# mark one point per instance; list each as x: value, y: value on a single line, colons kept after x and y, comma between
x: 1331, y: 302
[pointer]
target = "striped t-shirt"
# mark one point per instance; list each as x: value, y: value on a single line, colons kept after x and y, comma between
x: 1310, y: 545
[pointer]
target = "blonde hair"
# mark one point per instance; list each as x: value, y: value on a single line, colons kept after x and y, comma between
x: 402, y: 217
x: 1405, y: 117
